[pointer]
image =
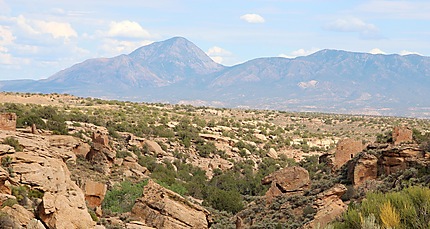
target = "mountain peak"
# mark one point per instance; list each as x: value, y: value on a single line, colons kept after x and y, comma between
x: 176, y: 53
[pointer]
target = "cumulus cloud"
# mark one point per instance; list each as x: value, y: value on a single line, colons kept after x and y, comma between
x: 112, y: 47
x: 6, y: 36
x: 6, y: 39
x: 252, y: 18
x: 56, y: 29
x: 352, y: 24
x: 53, y: 28
x: 127, y: 29
x: 300, y: 52
x: 377, y: 51
x: 218, y: 54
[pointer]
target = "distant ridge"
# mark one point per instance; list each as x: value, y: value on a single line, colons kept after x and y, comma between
x: 177, y: 71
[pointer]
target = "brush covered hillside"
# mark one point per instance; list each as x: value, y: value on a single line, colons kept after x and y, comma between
x: 73, y: 162
x: 177, y: 71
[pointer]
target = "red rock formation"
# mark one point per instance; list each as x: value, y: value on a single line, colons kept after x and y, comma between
x: 364, y: 169
x: 290, y: 180
x: 162, y: 208
x: 402, y: 134
x: 8, y: 121
x: 346, y: 149
x: 100, y: 139
x: 329, y: 206
x: 94, y: 193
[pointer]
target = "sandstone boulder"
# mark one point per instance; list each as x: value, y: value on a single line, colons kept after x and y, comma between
x: 4, y: 177
x: 94, y: 193
x: 21, y: 217
x: 162, y: 208
x: 363, y: 169
x: 289, y: 180
x: 102, y: 156
x: 41, y: 166
x: 100, y: 138
x: 329, y: 206
x: 154, y: 147
x: 82, y: 149
x: 261, y: 137
x: 272, y: 153
x: 6, y: 149
x: 396, y: 159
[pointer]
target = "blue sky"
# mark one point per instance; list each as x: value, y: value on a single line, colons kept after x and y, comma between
x: 40, y: 38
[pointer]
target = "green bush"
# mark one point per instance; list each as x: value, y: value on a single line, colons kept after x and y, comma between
x: 23, y: 193
x: 9, y: 202
x: 204, y: 149
x: 14, y: 143
x: 6, y: 161
x: 122, y: 154
x: 230, y: 201
x: 409, y: 208
x: 121, y: 197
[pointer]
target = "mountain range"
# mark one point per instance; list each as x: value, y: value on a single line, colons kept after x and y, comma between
x: 177, y: 71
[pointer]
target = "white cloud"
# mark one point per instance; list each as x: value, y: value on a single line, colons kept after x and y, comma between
x: 6, y: 36
x: 218, y: 54
x: 6, y: 39
x: 309, y: 84
x: 352, y: 24
x: 112, y: 47
x: 22, y: 23
x: 53, y: 28
x: 300, y: 52
x: 252, y: 18
x: 405, y: 52
x: 127, y: 29
x: 56, y: 29
x: 217, y: 51
x: 377, y: 51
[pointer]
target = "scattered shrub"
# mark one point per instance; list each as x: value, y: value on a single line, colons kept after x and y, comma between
x: 409, y: 208
x: 14, y: 143
x: 121, y: 197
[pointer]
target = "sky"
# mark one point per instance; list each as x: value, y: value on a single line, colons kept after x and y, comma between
x: 40, y: 38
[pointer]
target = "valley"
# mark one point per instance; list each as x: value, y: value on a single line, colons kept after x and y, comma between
x: 228, y: 168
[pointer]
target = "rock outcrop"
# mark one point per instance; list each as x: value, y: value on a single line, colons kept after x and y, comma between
x: 101, y: 154
x: 402, y: 134
x: 289, y: 180
x: 153, y: 147
x: 94, y: 193
x: 346, y: 149
x: 21, y: 218
x: 363, y: 169
x: 41, y: 167
x: 272, y: 153
x: 162, y: 208
x: 385, y: 160
x: 8, y: 121
x: 329, y: 206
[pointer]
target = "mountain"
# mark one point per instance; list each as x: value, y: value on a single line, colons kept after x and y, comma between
x: 156, y: 65
x: 177, y: 71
